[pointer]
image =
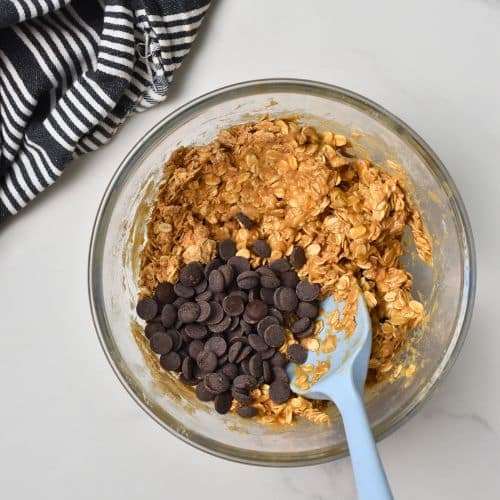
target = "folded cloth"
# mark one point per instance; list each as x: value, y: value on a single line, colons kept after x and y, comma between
x: 71, y: 72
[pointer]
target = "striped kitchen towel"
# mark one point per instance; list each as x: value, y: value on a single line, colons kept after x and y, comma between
x: 72, y: 71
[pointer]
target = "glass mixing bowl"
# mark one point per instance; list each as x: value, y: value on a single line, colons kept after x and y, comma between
x: 446, y: 288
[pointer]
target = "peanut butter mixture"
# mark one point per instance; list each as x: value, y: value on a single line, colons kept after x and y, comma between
x: 301, y: 187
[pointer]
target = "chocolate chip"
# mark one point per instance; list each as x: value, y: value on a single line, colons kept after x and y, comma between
x: 219, y: 297
x: 274, y: 335
x: 279, y: 391
x: 264, y: 323
x: 245, y: 352
x: 244, y: 220
x: 205, y: 311
x: 255, y: 365
x: 279, y: 373
x: 306, y: 333
x: 247, y: 319
x: 240, y: 293
x: 280, y: 265
x: 157, y: 318
x: 278, y: 360
x: 253, y: 294
x: 297, y: 257
x: 227, y: 273
x: 152, y: 328
x: 233, y: 305
x: 241, y: 395
x: 307, y: 310
x: 227, y: 249
x: 216, y: 281
x: 222, y: 360
x: 270, y: 280
x: 256, y: 310
x: 198, y: 373
x: 261, y: 248
x: 245, y: 327
x: 230, y: 370
x: 217, y: 345
x: 176, y: 339
x: 191, y: 274
x: 187, y: 368
x: 178, y: 302
x: 268, y: 353
x: 257, y: 342
x: 170, y: 361
x: 264, y: 270
x: 267, y: 373
x: 184, y: 291
x: 168, y: 315
x: 160, y: 343
x: 267, y: 295
x: 222, y: 403
x: 248, y: 279
x: 195, y: 347
x: 216, y: 313
x: 196, y: 331
x: 307, y: 292
x: 246, y: 411
x: 217, y: 382
x: 285, y: 299
x: 234, y: 351
x: 239, y: 264
x: 188, y: 381
x: 221, y: 326
x: 297, y: 353
x: 184, y: 336
x: 235, y: 321
x: 234, y: 336
x: 213, y: 264
x: 207, y: 361
x: 204, y: 296
x: 300, y: 325
x: 245, y: 382
x: 289, y: 279
x: 189, y: 312
x: 165, y: 293
x: 244, y: 367
x: 201, y: 287
x: 202, y: 393
x: 277, y: 314
x: 147, y: 308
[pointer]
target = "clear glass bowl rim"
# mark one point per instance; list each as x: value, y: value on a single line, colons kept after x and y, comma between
x: 307, y: 87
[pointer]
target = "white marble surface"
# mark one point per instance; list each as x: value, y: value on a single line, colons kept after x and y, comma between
x: 67, y: 427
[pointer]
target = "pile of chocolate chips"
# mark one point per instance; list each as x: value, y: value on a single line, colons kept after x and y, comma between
x: 221, y: 325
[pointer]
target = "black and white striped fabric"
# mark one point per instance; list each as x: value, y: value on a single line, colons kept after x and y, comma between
x: 72, y: 71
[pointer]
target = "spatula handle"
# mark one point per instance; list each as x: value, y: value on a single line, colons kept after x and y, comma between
x: 371, y: 481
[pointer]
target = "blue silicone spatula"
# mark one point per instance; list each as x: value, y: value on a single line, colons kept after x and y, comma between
x: 344, y: 385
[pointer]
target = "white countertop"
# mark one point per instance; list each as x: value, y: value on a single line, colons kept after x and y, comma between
x: 68, y: 430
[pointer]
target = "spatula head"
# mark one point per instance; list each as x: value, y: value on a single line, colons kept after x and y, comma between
x: 350, y: 356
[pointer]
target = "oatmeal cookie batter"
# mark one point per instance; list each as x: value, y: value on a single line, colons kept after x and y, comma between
x: 298, y: 187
